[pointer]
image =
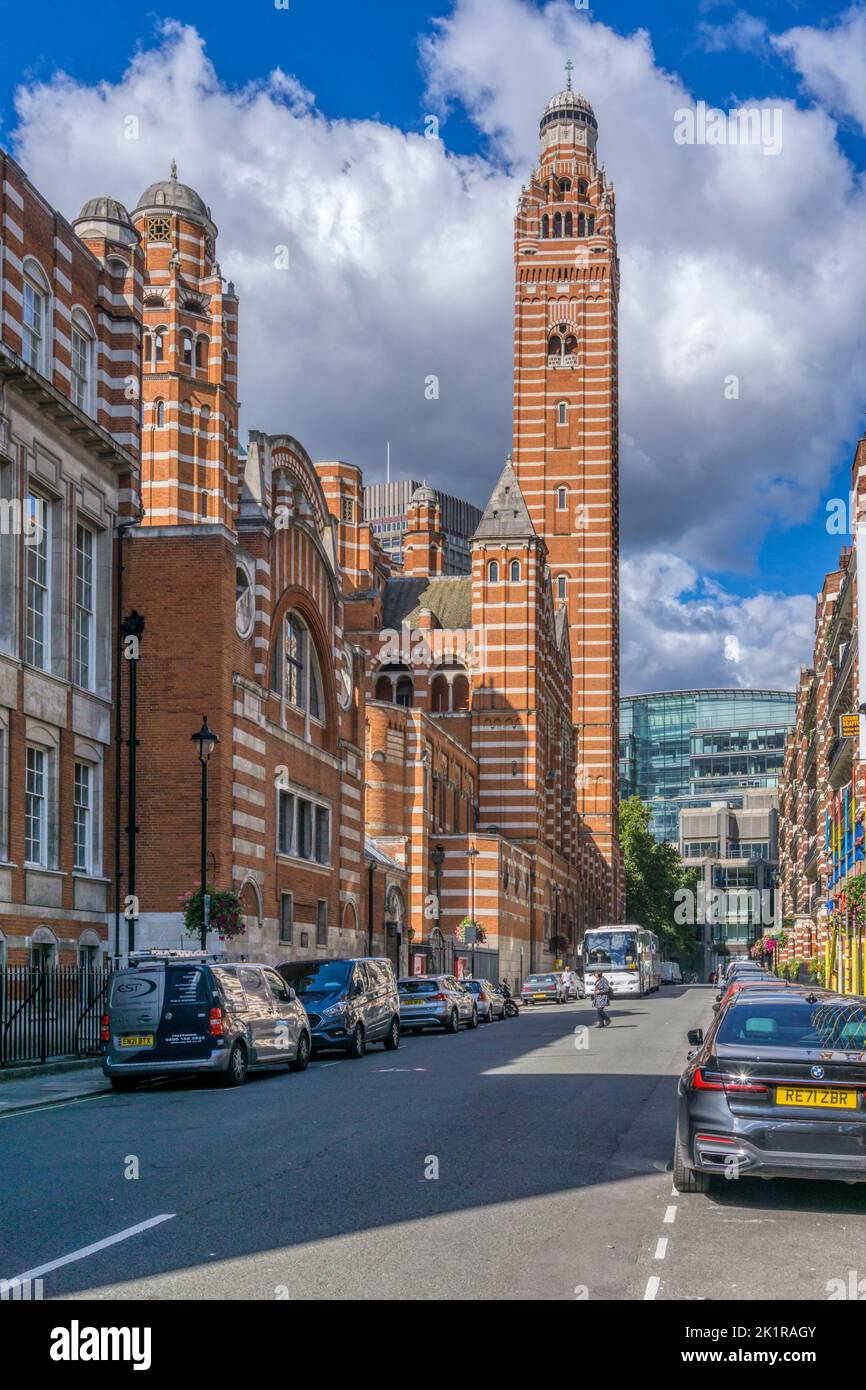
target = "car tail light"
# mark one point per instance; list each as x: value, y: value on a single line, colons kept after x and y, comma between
x: 712, y: 1139
x: 752, y: 1087
x: 707, y: 1081
x: 438, y: 997
x: 216, y: 1023
x: 106, y: 1029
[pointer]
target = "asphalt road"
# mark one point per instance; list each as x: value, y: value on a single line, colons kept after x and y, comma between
x: 524, y: 1160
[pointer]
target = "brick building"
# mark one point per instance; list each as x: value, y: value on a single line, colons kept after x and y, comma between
x: 823, y: 787
x: 70, y: 307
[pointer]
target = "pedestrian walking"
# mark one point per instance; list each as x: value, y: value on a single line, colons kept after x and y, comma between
x: 601, y: 999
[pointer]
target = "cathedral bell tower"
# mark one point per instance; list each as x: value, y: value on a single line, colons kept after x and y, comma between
x: 566, y: 438
x: 189, y: 462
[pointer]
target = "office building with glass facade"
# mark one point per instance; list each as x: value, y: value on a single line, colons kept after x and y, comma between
x: 688, y: 748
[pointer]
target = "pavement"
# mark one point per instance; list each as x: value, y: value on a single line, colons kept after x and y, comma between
x: 529, y: 1159
x: 31, y: 1088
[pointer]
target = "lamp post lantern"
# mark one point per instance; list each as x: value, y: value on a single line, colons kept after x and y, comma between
x: 206, y: 739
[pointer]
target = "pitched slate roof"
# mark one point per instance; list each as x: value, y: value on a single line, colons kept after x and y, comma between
x: 449, y: 597
x: 505, y: 516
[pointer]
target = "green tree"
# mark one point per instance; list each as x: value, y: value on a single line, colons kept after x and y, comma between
x: 653, y: 874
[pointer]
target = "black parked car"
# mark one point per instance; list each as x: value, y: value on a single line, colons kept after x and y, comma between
x: 779, y: 1084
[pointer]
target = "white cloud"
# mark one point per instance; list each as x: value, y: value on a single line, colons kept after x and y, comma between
x: 832, y: 62
x: 680, y: 631
x: 733, y: 264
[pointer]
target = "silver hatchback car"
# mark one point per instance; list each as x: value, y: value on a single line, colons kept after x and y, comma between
x: 489, y: 1001
x: 435, y: 1001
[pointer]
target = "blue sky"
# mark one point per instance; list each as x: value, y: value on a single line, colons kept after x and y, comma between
x: 366, y: 63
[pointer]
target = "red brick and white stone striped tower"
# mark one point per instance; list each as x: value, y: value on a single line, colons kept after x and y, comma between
x: 566, y: 436
x: 189, y: 467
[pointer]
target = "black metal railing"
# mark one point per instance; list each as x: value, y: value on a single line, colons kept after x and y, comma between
x: 49, y: 1011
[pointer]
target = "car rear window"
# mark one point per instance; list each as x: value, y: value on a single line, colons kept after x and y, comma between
x: 541, y: 980
x: 473, y: 986
x: 825, y: 1025
x: 419, y: 986
x: 185, y: 984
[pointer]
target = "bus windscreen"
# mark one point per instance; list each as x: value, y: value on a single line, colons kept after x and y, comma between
x: 610, y: 949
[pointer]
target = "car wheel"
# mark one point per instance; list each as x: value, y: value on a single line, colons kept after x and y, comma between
x: 453, y: 1022
x: 472, y: 1020
x: 123, y: 1083
x: 235, y: 1073
x: 392, y: 1037
x: 686, y: 1179
x: 302, y: 1060
x: 358, y: 1046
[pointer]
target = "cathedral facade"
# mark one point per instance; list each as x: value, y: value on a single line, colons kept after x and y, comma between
x: 410, y: 762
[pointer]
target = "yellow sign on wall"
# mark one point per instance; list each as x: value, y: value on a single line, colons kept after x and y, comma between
x: 849, y: 725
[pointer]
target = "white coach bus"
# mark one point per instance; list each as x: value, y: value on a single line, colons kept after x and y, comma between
x: 628, y: 956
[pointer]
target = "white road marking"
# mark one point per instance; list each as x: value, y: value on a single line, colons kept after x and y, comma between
x: 661, y: 1248
x: 48, y: 1105
x: 92, y: 1249
x: 652, y: 1287
x: 670, y: 1216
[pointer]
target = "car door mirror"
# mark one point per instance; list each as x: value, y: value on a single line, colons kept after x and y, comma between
x: 292, y: 995
x: 695, y: 1036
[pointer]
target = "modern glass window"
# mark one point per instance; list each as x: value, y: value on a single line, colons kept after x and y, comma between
x: 84, y: 613
x: 82, y: 823
x: 82, y: 359
x: 38, y: 597
x: 35, y: 315
x: 36, y: 807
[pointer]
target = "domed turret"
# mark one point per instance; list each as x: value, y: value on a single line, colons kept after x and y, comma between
x: 568, y: 118
x: 106, y: 218
x: 424, y: 493
x: 169, y: 195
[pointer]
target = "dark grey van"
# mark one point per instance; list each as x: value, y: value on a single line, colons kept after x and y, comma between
x: 183, y: 1011
x: 350, y: 1003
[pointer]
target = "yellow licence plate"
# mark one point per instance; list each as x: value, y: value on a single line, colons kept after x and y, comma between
x: 137, y: 1040
x: 817, y: 1097
x: 411, y: 1001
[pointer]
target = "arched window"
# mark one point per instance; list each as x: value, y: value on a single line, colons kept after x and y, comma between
x: 561, y: 499
x: 554, y: 346
x: 384, y: 689
x: 186, y: 351
x: 514, y: 571
x: 493, y: 572
x: 561, y: 587
x: 460, y: 693
x: 159, y: 345
x: 590, y: 226
x: 35, y: 317
x: 439, y: 695
x: 557, y: 225
x: 569, y: 225
x: 201, y: 353
x: 404, y: 692
x: 565, y: 185
x: 158, y: 414
x: 581, y: 188
x: 83, y: 339
x: 295, y: 672
x: 570, y: 345
x: 562, y: 413
x: 545, y: 226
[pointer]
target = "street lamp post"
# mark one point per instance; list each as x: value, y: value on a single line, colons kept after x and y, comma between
x: 472, y: 855
x: 438, y: 857
x: 206, y: 739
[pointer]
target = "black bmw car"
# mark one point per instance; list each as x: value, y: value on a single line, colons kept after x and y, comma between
x: 777, y: 1088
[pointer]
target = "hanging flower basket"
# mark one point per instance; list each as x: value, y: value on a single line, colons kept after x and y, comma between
x: 226, y: 913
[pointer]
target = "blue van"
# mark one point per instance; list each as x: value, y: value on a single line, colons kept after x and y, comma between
x: 350, y: 1003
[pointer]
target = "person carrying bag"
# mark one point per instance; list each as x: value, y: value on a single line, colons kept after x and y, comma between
x: 601, y: 999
